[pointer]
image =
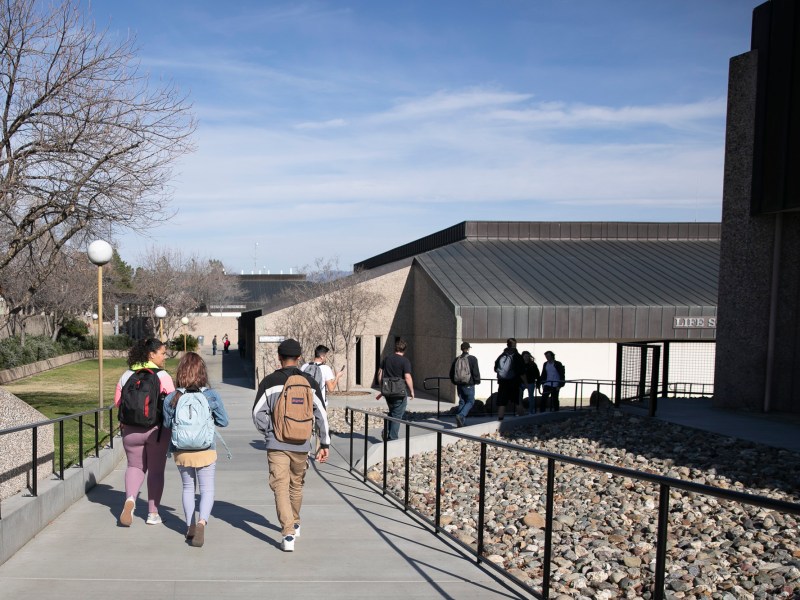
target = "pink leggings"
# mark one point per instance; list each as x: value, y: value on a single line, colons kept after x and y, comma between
x: 145, y: 455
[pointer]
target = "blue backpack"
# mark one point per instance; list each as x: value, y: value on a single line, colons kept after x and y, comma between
x: 193, y: 423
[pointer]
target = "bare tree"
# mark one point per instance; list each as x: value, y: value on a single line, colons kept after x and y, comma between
x: 86, y: 147
x: 333, y: 311
x: 177, y: 282
x: 69, y: 291
x: 40, y: 282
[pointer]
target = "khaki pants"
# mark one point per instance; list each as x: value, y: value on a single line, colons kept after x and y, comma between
x: 287, y: 470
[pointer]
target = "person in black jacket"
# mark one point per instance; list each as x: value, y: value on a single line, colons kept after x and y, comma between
x: 509, y: 368
x: 466, y: 390
x: 530, y: 382
x: 552, y: 380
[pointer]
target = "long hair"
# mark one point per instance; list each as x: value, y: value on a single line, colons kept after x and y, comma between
x: 141, y: 350
x: 191, y: 373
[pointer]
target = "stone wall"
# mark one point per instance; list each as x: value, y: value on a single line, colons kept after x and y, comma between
x: 16, y: 449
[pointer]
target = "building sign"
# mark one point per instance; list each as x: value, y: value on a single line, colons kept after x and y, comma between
x: 271, y: 339
x: 694, y: 323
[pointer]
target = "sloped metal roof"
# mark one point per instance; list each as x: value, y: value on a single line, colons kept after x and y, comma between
x: 576, y: 289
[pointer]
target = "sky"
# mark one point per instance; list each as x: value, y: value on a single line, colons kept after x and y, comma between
x: 342, y: 129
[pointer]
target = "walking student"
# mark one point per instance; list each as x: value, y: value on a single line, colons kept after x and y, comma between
x: 139, y: 396
x: 465, y: 375
x: 509, y: 368
x: 397, y: 386
x: 288, y: 405
x: 530, y: 382
x: 552, y: 380
x: 194, y: 448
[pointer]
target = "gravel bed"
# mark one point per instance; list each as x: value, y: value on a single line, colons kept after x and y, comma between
x: 604, y: 530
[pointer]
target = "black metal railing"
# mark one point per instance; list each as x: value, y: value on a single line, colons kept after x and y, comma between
x: 683, y: 390
x: 34, y: 428
x: 665, y: 485
x: 580, y: 387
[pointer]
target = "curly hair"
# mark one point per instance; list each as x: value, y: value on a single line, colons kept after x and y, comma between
x: 141, y: 350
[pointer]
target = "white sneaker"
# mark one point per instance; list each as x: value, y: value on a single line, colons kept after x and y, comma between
x: 153, y: 519
x: 126, y: 518
x: 297, y: 530
x: 287, y: 545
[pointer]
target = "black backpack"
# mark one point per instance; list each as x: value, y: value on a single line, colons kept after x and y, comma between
x: 141, y: 402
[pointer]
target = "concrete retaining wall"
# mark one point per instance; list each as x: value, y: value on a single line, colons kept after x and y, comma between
x: 9, y: 375
x: 24, y: 516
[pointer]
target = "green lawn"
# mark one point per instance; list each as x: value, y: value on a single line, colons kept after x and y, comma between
x: 73, y: 389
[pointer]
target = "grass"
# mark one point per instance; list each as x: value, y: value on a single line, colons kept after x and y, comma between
x: 72, y: 389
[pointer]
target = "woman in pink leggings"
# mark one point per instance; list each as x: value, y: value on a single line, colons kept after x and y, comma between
x: 145, y: 446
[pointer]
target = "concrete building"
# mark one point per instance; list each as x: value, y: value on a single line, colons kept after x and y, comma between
x: 573, y: 288
x: 758, y: 360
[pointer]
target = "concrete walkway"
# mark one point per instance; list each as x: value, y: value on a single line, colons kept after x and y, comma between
x: 354, y: 544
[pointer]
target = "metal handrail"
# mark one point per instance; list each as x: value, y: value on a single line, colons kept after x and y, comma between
x: 34, y: 427
x: 666, y: 484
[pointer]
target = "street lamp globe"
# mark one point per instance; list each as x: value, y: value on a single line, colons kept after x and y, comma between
x: 94, y: 316
x: 100, y: 252
x: 185, y: 320
x: 160, y: 312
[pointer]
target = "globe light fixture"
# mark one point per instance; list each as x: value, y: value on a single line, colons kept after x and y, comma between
x: 160, y: 312
x: 184, y: 322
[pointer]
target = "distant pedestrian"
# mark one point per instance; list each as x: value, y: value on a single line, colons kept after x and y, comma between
x: 145, y: 443
x: 552, y: 380
x: 395, y: 375
x: 288, y: 461
x: 509, y: 368
x: 196, y: 466
x: 226, y: 343
x: 530, y: 382
x: 465, y: 375
x: 214, y: 346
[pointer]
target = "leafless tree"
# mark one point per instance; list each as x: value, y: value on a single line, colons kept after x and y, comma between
x: 177, y: 282
x: 86, y: 145
x: 333, y: 311
x: 63, y: 283
x: 70, y: 290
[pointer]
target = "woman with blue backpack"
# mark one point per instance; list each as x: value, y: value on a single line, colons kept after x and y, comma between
x: 192, y: 412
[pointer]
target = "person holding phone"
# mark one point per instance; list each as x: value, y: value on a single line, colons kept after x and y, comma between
x: 322, y: 373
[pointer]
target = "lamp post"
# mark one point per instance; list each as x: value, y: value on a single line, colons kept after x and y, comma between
x: 95, y: 316
x: 100, y: 253
x: 184, y: 322
x: 160, y: 313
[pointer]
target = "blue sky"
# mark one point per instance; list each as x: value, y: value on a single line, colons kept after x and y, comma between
x: 346, y: 128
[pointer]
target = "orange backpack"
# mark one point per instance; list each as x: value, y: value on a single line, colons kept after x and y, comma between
x: 293, y: 414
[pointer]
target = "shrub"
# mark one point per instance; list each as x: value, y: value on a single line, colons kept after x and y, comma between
x: 176, y: 343
x: 73, y: 328
x: 117, y: 342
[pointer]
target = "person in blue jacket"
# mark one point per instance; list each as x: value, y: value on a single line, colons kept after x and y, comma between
x: 195, y: 466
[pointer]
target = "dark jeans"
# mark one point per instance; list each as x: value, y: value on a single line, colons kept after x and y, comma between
x: 466, y: 398
x: 549, y: 398
x: 531, y: 387
x: 397, y: 408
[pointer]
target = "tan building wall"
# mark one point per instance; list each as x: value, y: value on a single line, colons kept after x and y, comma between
x: 209, y: 326
x: 393, y: 317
